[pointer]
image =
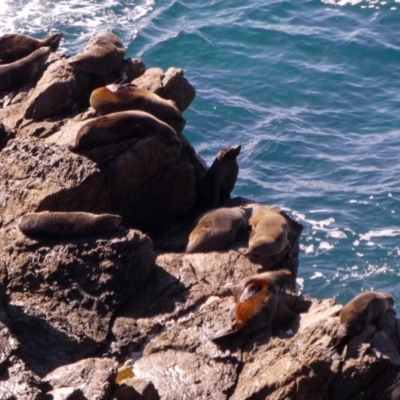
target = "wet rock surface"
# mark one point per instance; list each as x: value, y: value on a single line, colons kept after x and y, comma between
x: 74, y: 308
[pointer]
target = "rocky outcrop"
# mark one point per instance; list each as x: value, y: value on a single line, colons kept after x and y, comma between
x: 169, y: 85
x: 73, y: 308
x: 62, y: 295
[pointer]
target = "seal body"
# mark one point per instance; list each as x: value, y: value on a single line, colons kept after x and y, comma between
x: 216, y: 230
x: 268, y: 236
x: 102, y: 54
x: 216, y: 185
x: 365, y: 308
x: 121, y: 126
x: 49, y: 225
x: 13, y: 47
x: 257, y: 300
x: 18, y: 73
x: 114, y: 98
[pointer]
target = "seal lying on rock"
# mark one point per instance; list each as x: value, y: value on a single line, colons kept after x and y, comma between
x: 354, y: 317
x: 257, y: 303
x: 13, y: 47
x: 121, y: 126
x: 18, y: 73
x: 103, y: 54
x: 268, y: 236
x: 114, y: 98
x: 48, y: 225
x: 216, y: 185
x: 216, y: 230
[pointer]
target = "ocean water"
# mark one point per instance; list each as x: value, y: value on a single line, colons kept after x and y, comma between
x: 309, y: 88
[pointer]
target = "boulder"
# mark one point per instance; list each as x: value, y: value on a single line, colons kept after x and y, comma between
x: 63, y: 294
x: 91, y: 378
x: 169, y: 85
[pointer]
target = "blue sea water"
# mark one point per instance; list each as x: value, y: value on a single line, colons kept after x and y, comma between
x: 309, y: 88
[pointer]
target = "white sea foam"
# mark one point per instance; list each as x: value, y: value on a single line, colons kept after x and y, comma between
x: 380, y: 233
x: 325, y: 246
x: 86, y: 16
x: 336, y: 234
x: 317, y: 275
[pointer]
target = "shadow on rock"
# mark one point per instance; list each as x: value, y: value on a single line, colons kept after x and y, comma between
x: 43, y: 347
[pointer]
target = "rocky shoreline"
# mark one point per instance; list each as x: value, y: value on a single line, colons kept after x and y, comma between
x: 128, y: 314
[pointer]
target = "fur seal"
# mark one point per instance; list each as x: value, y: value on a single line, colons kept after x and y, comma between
x: 216, y: 185
x: 268, y: 236
x: 49, y: 225
x: 121, y: 126
x: 18, y: 73
x: 114, y: 98
x: 216, y: 230
x: 365, y: 308
x: 13, y: 47
x: 257, y: 303
x: 102, y: 54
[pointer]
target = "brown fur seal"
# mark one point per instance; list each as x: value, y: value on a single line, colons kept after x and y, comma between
x: 18, y: 73
x: 216, y: 185
x: 114, y: 98
x: 48, y: 225
x: 268, y: 236
x: 13, y: 47
x: 103, y: 54
x: 365, y: 308
x: 121, y: 126
x: 257, y: 302
x: 216, y: 230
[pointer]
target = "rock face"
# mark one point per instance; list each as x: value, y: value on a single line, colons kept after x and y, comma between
x: 71, y: 308
x: 169, y: 85
x: 63, y: 294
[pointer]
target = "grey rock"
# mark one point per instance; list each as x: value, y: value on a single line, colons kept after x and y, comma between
x: 92, y: 377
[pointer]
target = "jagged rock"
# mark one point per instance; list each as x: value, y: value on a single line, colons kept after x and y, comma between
x: 151, y: 180
x: 35, y: 177
x: 60, y: 91
x: 87, y: 379
x: 18, y: 382
x: 63, y: 90
x: 169, y: 85
x: 5, y: 135
x: 102, y: 54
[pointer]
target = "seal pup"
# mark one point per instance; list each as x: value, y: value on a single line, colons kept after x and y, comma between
x: 121, y: 126
x: 18, y: 73
x: 257, y: 303
x: 49, y: 225
x: 102, y: 54
x: 116, y: 97
x: 13, y: 47
x: 365, y: 308
x: 268, y: 236
x: 216, y: 185
x: 216, y: 229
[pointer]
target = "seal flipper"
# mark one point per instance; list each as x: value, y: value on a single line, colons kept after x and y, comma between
x: 223, y: 334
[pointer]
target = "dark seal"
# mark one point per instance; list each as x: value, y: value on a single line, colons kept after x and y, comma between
x: 365, y: 308
x: 17, y: 74
x: 121, y: 126
x: 216, y: 185
x: 13, y: 47
x: 114, y: 98
x: 216, y: 230
x: 49, y: 225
